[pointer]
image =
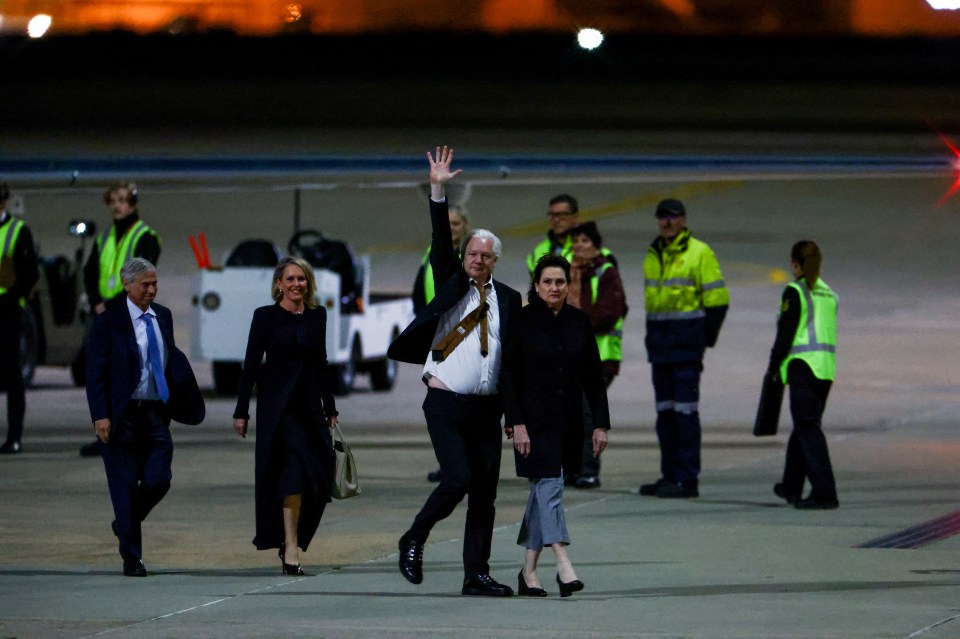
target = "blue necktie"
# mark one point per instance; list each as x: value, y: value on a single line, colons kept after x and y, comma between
x: 156, y: 360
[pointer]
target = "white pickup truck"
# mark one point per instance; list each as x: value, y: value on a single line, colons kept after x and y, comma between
x: 360, y: 325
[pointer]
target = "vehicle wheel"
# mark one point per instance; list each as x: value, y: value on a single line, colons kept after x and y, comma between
x: 345, y: 374
x: 29, y: 345
x: 383, y: 372
x: 78, y: 368
x: 226, y: 377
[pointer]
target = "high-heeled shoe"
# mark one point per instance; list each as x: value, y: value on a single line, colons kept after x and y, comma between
x: 528, y: 591
x: 567, y: 588
x: 292, y: 569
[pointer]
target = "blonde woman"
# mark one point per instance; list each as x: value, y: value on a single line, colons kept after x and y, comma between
x: 295, y: 413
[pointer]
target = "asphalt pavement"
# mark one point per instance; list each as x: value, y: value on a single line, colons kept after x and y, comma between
x: 736, y: 562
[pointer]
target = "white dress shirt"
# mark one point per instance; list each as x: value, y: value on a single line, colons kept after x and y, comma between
x: 147, y: 388
x: 466, y: 371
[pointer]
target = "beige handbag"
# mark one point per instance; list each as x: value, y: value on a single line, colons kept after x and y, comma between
x: 346, y: 482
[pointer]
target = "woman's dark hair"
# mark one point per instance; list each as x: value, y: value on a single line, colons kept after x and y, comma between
x: 807, y: 254
x: 547, y: 261
x: 590, y: 230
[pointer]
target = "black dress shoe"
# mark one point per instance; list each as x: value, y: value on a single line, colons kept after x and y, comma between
x: 816, y: 504
x: 668, y: 489
x: 91, y: 450
x: 411, y: 559
x: 782, y: 493
x: 650, y: 490
x: 11, y: 448
x: 567, y: 588
x: 134, y: 568
x: 587, y: 481
x: 292, y: 569
x: 434, y: 476
x: 485, y: 586
x: 528, y: 591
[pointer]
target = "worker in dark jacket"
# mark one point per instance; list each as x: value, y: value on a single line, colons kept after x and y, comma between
x: 18, y: 274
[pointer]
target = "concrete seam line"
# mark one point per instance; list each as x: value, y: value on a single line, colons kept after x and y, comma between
x: 931, y: 627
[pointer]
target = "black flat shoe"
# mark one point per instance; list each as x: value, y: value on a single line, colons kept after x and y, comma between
x: 11, y: 448
x: 782, y: 493
x: 816, y: 504
x: 567, y: 588
x: 134, y: 568
x: 528, y: 591
x: 292, y: 569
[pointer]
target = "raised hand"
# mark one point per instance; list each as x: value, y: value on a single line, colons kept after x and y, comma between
x: 440, y: 172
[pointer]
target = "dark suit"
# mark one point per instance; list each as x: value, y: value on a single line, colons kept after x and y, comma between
x: 464, y: 429
x: 140, y: 450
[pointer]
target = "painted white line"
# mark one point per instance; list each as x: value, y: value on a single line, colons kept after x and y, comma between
x: 931, y: 627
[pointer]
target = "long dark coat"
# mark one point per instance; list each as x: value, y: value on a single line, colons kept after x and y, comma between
x: 295, y: 347
x: 549, y: 364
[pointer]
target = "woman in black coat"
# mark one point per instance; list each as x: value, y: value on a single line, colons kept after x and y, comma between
x: 550, y: 365
x: 294, y: 459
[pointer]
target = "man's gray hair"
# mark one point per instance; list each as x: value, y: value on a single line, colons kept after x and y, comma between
x: 134, y: 267
x: 482, y: 234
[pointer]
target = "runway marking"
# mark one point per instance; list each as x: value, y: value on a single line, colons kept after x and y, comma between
x: 204, y: 605
x: 931, y: 627
x: 919, y: 535
x: 625, y: 206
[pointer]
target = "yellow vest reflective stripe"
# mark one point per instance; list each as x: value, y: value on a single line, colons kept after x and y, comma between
x: 8, y: 243
x: 816, y: 340
x: 429, y: 287
x: 609, y: 344
x: 112, y: 256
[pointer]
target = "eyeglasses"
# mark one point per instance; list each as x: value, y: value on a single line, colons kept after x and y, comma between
x: 486, y: 257
x: 560, y: 213
x: 668, y: 216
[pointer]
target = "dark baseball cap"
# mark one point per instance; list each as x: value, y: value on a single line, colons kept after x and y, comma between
x: 670, y: 207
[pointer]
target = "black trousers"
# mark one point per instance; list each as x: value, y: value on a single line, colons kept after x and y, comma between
x: 466, y: 436
x: 590, y: 465
x: 807, y: 454
x: 11, y: 377
x: 137, y: 461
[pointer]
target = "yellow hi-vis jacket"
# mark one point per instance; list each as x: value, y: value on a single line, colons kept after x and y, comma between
x: 685, y: 297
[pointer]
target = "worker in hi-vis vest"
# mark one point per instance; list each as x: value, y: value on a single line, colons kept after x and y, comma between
x: 563, y: 214
x: 804, y: 355
x: 686, y: 301
x: 596, y: 289
x: 18, y: 274
x: 424, y: 286
x: 128, y: 236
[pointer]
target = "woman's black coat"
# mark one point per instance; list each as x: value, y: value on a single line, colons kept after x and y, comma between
x: 548, y: 366
x: 294, y: 347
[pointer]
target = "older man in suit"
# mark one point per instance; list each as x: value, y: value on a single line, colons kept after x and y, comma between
x: 458, y: 339
x: 137, y: 381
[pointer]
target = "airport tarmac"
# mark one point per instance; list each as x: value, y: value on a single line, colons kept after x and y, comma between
x: 737, y: 562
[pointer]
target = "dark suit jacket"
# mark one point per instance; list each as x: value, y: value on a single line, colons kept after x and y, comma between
x: 549, y: 364
x: 113, y: 367
x: 452, y: 282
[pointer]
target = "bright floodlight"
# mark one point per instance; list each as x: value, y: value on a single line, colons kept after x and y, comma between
x: 589, y: 38
x: 944, y: 4
x: 38, y: 25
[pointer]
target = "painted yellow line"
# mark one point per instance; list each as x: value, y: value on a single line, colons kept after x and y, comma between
x: 638, y: 203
